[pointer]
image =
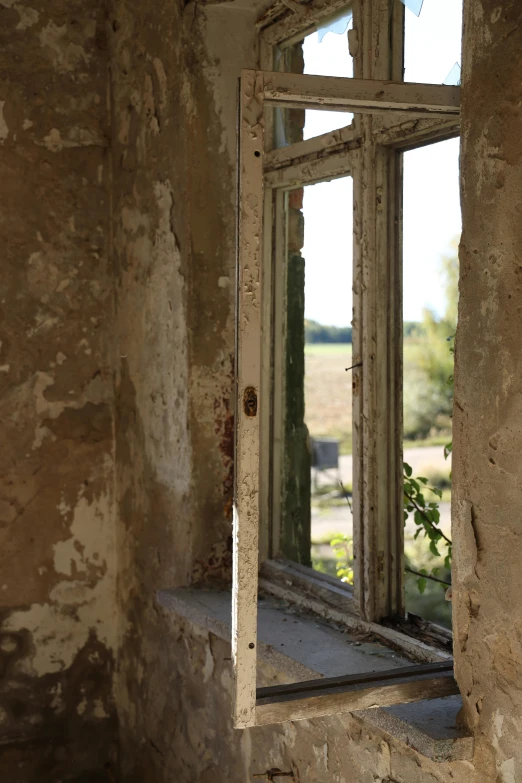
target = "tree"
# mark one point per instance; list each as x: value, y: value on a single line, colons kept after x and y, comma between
x: 428, y: 391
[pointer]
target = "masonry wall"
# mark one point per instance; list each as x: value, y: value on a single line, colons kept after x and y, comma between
x: 57, y: 544
x: 487, y: 463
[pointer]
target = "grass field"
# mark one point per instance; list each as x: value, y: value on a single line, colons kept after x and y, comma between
x: 328, y: 392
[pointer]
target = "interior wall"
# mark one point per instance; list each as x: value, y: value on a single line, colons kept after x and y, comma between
x: 57, y: 546
x: 174, y: 78
x: 487, y: 462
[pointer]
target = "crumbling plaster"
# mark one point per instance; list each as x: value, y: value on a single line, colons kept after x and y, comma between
x: 487, y: 465
x: 174, y: 91
x: 58, y: 555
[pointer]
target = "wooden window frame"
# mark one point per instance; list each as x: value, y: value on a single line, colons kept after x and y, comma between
x: 390, y: 116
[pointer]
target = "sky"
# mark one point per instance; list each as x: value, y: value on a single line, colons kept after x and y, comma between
x: 431, y: 188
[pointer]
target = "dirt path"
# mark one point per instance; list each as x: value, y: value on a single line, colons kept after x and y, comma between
x: 418, y: 458
x: 339, y: 518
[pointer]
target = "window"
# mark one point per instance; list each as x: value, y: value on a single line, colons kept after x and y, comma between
x: 271, y: 501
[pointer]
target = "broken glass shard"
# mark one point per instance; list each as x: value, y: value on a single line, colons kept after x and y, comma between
x: 453, y: 77
x: 338, y: 24
x: 414, y: 5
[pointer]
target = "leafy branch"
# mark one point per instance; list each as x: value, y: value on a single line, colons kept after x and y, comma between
x: 426, y: 515
x: 423, y: 574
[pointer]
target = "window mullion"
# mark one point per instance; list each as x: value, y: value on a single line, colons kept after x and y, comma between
x: 278, y: 298
x: 378, y: 521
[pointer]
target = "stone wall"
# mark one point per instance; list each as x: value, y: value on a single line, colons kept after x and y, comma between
x: 57, y: 550
x: 487, y: 463
x: 196, y: 741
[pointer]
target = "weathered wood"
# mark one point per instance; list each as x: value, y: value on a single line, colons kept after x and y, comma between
x: 274, y: 481
x: 314, y: 699
x: 271, y: 15
x: 334, y: 593
x: 333, y: 93
x: 270, y: 216
x: 307, y: 173
x: 311, y: 149
x: 290, y: 25
x: 377, y: 335
x: 424, y: 630
x: 248, y: 374
x: 321, y: 685
x: 412, y: 133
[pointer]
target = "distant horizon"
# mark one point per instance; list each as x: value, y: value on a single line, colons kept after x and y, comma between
x: 349, y: 326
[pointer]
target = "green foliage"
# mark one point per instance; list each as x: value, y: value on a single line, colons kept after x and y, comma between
x: 429, y: 603
x: 426, y: 515
x: 428, y: 396
x: 419, y: 502
x: 318, y: 333
x: 412, y: 329
x: 343, y: 550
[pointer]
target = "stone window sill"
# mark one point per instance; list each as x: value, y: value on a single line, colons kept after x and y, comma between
x: 298, y: 646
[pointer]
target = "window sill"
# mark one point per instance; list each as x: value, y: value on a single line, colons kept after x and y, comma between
x: 327, y: 597
x: 296, y: 647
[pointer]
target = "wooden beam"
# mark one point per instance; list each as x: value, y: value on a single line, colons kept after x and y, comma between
x: 310, y: 149
x: 334, y: 695
x: 371, y: 96
x: 413, y: 133
x: 322, y: 169
x: 279, y: 30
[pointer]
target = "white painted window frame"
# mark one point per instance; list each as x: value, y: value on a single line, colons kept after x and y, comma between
x: 389, y: 116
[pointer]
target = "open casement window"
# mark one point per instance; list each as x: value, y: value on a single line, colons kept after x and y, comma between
x: 384, y: 117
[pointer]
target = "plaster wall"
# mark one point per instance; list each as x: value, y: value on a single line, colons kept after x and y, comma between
x: 174, y: 104
x: 57, y: 542
x: 487, y: 463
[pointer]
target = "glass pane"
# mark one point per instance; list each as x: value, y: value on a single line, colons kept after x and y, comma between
x: 322, y: 53
x: 454, y: 76
x: 316, y: 484
x: 432, y: 225
x: 433, y: 40
x: 327, y: 56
